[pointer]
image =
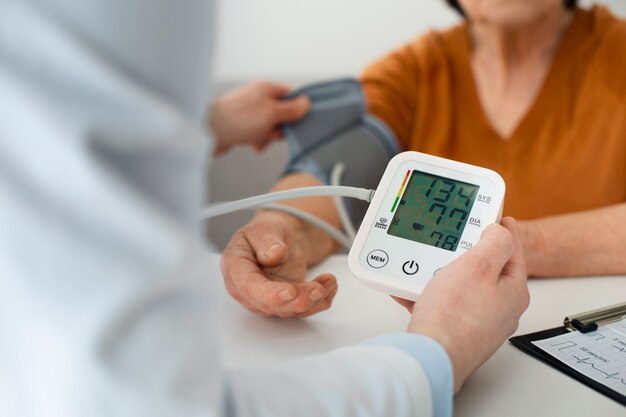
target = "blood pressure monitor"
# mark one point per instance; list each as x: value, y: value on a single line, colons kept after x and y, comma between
x: 426, y: 212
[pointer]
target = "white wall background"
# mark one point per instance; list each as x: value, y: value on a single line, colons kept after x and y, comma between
x: 300, y: 41
x: 289, y: 39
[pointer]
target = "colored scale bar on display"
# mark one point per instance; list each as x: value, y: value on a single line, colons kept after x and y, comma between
x: 395, y: 203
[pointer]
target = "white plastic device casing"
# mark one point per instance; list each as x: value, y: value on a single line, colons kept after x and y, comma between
x: 403, y: 267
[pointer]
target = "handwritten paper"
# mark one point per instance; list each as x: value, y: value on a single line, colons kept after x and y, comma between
x: 599, y: 355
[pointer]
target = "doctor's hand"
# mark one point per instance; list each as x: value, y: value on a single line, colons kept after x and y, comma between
x: 253, y: 115
x: 474, y: 304
x: 265, y: 265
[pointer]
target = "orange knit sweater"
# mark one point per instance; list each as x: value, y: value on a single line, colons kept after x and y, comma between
x: 569, y: 151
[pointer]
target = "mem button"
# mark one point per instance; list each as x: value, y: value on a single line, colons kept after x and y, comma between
x: 377, y: 258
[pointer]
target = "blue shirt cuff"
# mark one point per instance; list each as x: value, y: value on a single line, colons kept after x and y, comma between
x: 433, y: 358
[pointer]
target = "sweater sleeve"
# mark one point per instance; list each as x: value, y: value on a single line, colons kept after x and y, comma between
x: 390, y: 86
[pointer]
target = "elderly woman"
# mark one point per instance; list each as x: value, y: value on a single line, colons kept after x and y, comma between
x: 534, y: 89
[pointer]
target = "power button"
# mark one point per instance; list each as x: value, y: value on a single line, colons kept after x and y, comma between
x: 410, y: 267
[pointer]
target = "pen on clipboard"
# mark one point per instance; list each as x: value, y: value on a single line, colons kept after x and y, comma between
x: 589, y: 321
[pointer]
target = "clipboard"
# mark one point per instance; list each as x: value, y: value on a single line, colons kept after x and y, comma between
x: 584, y: 323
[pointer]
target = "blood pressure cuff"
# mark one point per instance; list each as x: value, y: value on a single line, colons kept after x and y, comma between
x: 338, y: 129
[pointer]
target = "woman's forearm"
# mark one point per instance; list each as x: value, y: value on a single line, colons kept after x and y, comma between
x: 591, y: 242
x: 316, y: 243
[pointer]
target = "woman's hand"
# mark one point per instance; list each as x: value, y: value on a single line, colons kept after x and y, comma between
x: 265, y: 266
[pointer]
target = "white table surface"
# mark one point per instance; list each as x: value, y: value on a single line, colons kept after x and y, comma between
x: 510, y: 383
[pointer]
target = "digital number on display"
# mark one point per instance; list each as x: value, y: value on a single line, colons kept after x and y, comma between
x: 433, y: 210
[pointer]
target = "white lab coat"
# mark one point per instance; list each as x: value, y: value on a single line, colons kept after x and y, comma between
x: 106, y: 305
